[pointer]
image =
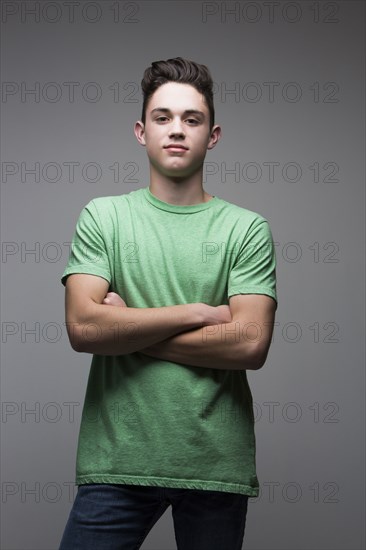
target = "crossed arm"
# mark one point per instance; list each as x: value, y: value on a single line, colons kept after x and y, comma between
x: 235, y: 337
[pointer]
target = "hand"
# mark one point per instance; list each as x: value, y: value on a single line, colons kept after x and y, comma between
x: 216, y: 315
x: 114, y: 299
x: 224, y: 313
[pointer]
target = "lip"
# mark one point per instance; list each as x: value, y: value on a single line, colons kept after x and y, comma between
x: 176, y: 147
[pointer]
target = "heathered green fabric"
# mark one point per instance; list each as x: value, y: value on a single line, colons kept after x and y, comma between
x: 152, y: 422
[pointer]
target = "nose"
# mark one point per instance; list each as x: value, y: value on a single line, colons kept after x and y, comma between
x: 176, y: 128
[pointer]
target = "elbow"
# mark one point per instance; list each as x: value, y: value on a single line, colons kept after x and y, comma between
x: 253, y: 359
x: 77, y: 345
x: 75, y: 334
x: 86, y: 338
x: 259, y: 357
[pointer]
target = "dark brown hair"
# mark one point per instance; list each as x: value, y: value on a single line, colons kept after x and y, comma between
x: 180, y: 70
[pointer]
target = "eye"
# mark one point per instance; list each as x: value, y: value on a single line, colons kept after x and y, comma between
x: 188, y: 119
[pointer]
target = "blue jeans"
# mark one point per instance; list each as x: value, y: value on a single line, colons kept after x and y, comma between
x: 119, y: 517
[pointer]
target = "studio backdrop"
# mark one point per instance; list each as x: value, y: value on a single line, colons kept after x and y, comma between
x: 289, y: 87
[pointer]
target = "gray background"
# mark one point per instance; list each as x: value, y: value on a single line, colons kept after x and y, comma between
x: 309, y: 397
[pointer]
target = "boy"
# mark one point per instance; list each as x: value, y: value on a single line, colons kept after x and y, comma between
x: 173, y: 291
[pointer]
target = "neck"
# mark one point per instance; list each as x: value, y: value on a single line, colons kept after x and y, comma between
x: 178, y: 190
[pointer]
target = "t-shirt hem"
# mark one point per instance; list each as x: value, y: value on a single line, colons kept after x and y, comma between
x: 169, y: 482
x: 86, y: 271
x: 253, y: 290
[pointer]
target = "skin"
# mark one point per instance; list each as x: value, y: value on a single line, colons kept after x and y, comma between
x: 176, y: 177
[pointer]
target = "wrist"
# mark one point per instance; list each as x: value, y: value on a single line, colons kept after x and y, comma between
x: 199, y: 312
x: 191, y: 316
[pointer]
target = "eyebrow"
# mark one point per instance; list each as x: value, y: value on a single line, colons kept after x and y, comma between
x: 186, y: 112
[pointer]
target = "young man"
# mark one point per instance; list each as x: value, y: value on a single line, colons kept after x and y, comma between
x: 173, y: 291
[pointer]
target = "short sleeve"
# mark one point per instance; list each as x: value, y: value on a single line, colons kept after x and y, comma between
x: 88, y: 251
x: 254, y: 269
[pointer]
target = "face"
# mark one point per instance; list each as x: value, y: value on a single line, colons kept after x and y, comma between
x: 170, y: 120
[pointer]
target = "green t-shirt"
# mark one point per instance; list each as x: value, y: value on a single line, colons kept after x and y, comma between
x: 148, y: 421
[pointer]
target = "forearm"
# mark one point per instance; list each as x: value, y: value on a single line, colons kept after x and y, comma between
x: 109, y: 330
x: 224, y: 346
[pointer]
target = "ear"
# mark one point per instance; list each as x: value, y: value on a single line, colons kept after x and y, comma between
x: 139, y: 130
x: 215, y: 136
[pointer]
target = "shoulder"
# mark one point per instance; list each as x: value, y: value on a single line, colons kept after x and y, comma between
x: 242, y: 215
x: 112, y: 203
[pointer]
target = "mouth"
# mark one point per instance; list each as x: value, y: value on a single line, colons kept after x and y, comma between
x: 176, y: 148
